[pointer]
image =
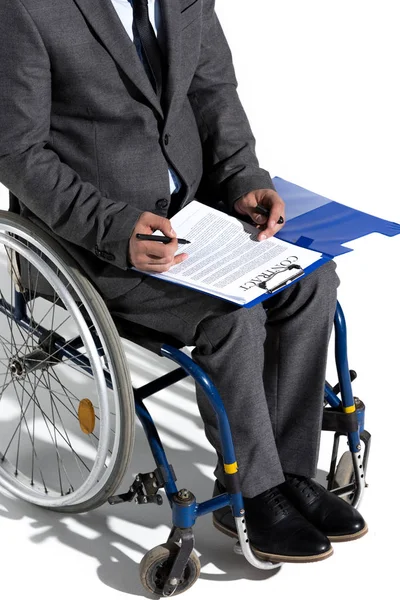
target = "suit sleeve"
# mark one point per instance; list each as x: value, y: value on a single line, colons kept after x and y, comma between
x: 231, y: 168
x: 73, y: 209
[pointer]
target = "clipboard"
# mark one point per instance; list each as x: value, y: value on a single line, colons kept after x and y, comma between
x: 276, y: 286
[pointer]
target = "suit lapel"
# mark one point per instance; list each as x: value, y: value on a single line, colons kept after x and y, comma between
x: 106, y: 23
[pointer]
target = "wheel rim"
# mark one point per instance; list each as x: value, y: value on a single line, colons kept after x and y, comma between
x: 160, y: 571
x: 45, y: 456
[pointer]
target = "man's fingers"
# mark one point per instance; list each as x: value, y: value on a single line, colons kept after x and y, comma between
x: 180, y: 258
x: 158, y: 250
x: 154, y: 260
x: 259, y: 219
x: 162, y: 266
x: 266, y: 208
x: 274, y: 225
x: 168, y: 262
x: 150, y: 268
x: 149, y: 222
x: 277, y: 216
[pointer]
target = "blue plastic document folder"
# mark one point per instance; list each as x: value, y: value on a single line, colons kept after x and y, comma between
x: 320, y: 224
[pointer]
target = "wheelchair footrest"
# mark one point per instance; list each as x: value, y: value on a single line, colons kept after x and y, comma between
x: 144, y: 489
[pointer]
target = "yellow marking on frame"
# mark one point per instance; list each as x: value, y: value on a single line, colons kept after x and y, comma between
x: 232, y: 468
x: 349, y: 409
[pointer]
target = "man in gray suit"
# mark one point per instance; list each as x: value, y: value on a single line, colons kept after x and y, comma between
x: 115, y: 114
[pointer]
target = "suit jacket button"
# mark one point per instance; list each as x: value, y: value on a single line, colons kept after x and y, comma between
x: 102, y: 254
x: 166, y: 139
x: 162, y: 203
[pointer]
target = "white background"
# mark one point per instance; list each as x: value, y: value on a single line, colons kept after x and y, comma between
x: 319, y: 81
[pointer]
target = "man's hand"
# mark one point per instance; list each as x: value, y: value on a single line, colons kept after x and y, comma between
x: 269, y: 199
x: 155, y: 257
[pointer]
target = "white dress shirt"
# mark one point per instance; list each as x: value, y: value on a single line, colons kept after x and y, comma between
x: 124, y: 11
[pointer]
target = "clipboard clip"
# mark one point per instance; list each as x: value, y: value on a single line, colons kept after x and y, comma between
x: 265, y: 285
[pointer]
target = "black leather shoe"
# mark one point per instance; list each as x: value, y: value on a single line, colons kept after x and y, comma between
x: 337, y: 519
x: 277, y: 531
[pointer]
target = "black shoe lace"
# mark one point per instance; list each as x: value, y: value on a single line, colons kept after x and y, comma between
x: 303, y: 484
x: 276, y: 501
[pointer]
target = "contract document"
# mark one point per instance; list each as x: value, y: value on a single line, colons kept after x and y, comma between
x: 226, y: 260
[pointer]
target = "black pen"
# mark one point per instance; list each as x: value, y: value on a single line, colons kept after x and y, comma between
x: 159, y: 238
x: 263, y: 210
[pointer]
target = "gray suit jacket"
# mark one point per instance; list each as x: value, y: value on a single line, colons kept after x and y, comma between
x: 84, y: 141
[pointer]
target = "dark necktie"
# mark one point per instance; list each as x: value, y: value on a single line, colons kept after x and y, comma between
x: 149, y: 43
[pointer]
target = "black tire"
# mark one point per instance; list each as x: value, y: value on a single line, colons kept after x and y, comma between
x: 155, y: 565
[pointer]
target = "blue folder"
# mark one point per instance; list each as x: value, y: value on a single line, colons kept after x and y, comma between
x: 323, y: 225
x: 320, y: 224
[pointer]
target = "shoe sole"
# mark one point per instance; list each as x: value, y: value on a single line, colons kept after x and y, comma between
x: 275, y: 557
x: 349, y: 537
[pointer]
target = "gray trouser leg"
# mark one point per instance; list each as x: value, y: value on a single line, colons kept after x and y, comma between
x: 299, y: 327
x: 281, y: 374
x: 231, y: 349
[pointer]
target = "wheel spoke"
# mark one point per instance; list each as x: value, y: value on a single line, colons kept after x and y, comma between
x: 23, y: 412
x: 52, y: 394
x: 47, y: 420
x: 16, y: 276
x: 29, y: 435
x: 55, y: 441
x: 10, y: 322
x: 8, y: 343
x: 33, y: 438
x: 92, y: 435
x: 12, y: 291
x: 69, y: 393
x: 19, y: 441
x: 66, y: 440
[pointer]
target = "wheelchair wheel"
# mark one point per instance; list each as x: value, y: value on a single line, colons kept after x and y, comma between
x: 155, y: 567
x: 66, y: 398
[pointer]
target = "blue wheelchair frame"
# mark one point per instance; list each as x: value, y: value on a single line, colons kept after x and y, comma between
x: 185, y: 508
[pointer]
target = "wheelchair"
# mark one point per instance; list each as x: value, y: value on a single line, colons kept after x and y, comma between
x: 68, y: 407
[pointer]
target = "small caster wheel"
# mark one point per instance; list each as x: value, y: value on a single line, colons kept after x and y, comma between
x: 156, y: 564
x: 345, y: 474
